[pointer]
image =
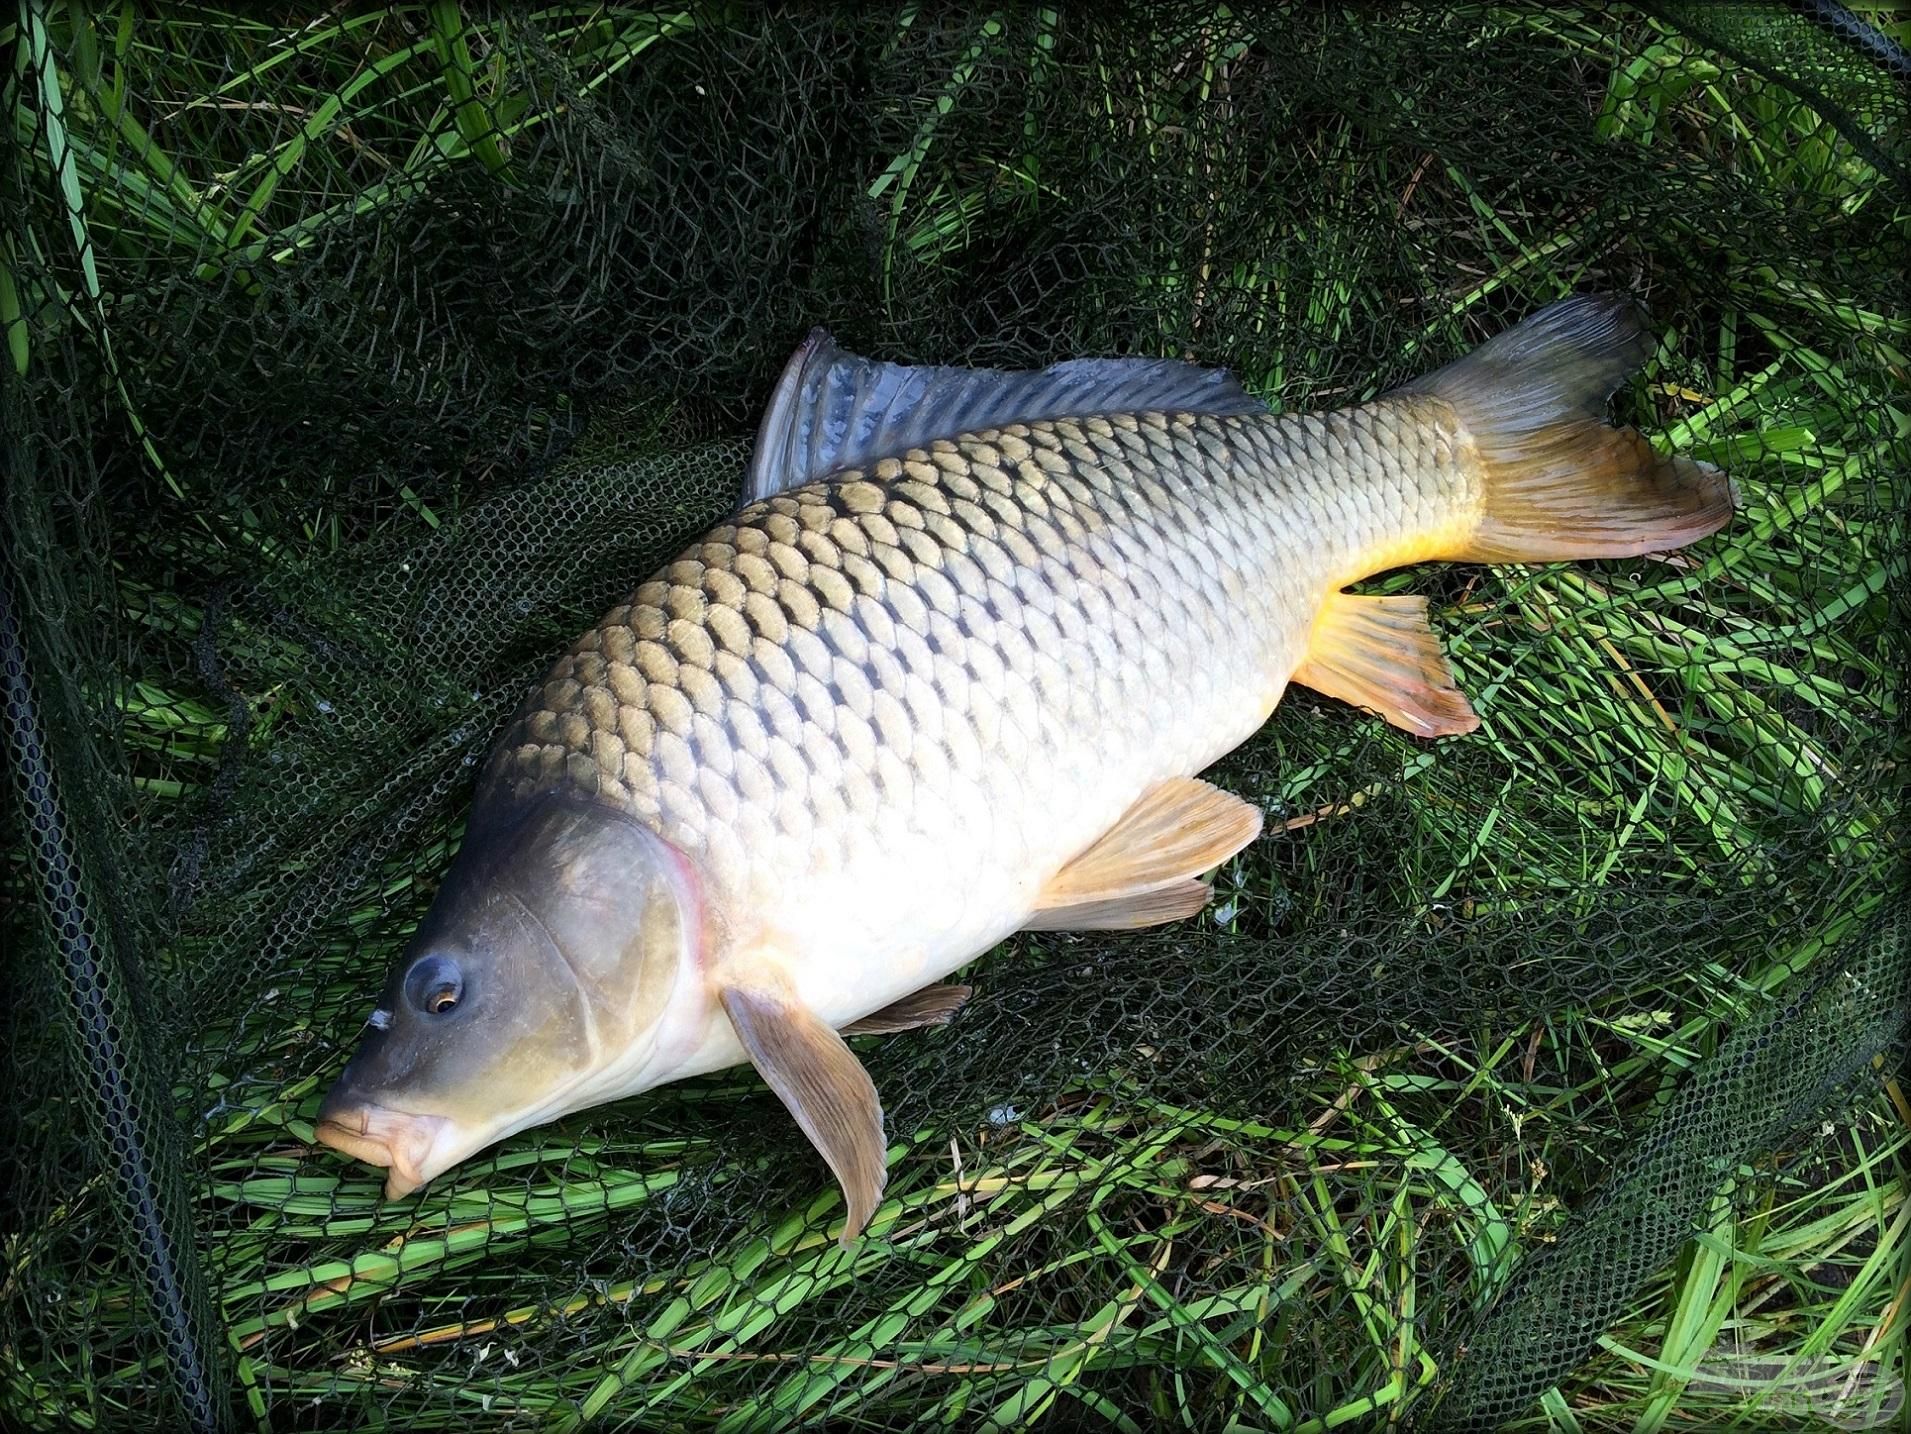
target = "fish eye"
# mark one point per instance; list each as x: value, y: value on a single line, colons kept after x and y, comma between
x: 434, y: 985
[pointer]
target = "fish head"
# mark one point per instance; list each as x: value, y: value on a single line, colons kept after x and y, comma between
x: 541, y: 982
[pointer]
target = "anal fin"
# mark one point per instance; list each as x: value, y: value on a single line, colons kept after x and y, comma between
x: 1141, y: 871
x: 931, y: 1006
x: 1380, y: 654
x: 820, y: 1080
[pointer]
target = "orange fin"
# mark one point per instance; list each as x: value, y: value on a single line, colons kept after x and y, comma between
x: 931, y: 1006
x: 1126, y: 913
x: 820, y: 1080
x: 1140, y: 872
x: 1560, y: 481
x: 1379, y: 653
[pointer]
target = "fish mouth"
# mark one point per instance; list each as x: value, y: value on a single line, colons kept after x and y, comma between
x: 395, y: 1140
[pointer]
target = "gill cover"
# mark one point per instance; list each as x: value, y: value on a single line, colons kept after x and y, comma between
x: 544, y: 965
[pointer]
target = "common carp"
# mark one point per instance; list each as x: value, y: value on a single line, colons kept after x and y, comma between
x: 949, y: 672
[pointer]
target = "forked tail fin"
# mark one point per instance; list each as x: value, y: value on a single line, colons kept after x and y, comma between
x: 1561, y: 482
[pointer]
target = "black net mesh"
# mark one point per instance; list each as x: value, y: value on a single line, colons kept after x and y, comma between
x: 355, y: 365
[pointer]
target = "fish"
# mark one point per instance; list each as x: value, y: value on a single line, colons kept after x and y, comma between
x: 952, y: 670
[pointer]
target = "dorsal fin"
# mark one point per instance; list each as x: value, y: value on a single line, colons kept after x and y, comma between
x: 835, y: 410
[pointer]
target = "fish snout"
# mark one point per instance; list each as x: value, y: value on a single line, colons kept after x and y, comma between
x: 378, y: 1135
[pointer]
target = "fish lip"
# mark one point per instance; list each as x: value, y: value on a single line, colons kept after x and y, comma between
x: 405, y: 1144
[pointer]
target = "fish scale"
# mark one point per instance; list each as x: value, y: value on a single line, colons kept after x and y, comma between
x: 952, y: 671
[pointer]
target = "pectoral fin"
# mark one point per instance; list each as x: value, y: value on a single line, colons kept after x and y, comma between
x: 1141, y: 872
x: 1379, y: 653
x: 931, y: 1006
x: 822, y: 1083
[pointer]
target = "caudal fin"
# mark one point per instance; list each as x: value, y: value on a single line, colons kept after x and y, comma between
x: 1561, y: 482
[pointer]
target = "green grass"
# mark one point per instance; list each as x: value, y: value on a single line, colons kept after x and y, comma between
x: 1035, y: 1268
x: 1786, y: 1304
